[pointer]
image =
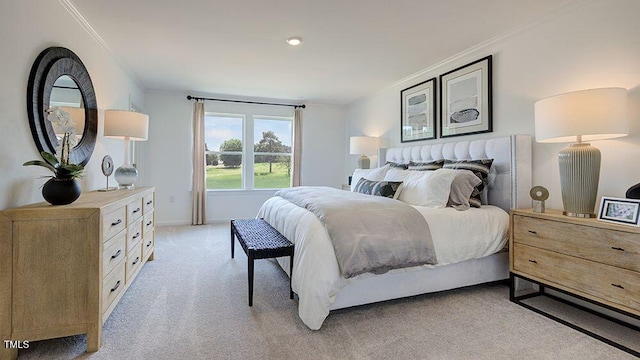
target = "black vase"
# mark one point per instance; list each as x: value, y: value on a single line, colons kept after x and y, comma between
x: 61, y: 191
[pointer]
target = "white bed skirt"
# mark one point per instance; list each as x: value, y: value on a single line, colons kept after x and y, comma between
x: 395, y: 285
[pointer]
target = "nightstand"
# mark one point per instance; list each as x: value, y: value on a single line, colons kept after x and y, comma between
x: 592, y: 260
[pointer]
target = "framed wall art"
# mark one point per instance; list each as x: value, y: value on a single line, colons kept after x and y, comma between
x: 619, y: 211
x: 418, y: 112
x: 465, y: 97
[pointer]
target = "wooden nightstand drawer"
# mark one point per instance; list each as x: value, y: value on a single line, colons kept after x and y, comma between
x: 617, y: 248
x: 602, y: 281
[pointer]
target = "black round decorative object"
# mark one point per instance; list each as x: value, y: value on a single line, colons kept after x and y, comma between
x: 633, y: 192
x: 61, y: 191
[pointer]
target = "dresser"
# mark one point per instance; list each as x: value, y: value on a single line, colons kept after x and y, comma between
x: 597, y: 261
x: 63, y: 269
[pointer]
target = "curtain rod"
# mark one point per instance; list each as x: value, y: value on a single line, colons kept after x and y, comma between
x: 189, y: 97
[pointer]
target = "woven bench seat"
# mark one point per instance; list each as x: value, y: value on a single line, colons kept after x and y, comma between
x: 259, y: 240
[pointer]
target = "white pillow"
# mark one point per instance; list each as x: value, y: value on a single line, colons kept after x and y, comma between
x: 376, y: 174
x: 427, y: 188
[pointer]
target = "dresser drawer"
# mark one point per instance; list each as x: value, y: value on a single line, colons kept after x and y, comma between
x: 134, y: 233
x: 113, y: 223
x: 617, y: 248
x: 134, y: 210
x: 147, y: 223
x: 113, y: 285
x: 148, y: 203
x: 134, y: 261
x: 599, y: 280
x: 148, y: 244
x: 114, y: 251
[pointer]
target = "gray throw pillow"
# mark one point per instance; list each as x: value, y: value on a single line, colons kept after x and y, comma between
x: 480, y: 168
x: 462, y: 187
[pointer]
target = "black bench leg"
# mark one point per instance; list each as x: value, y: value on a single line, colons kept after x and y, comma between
x: 232, y: 242
x: 290, y: 276
x: 250, y: 272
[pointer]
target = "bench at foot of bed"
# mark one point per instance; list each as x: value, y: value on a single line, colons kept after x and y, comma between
x: 259, y: 240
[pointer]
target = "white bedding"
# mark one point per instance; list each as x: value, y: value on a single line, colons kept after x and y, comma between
x: 457, y: 236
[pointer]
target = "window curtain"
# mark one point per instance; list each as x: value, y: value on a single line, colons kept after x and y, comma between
x: 296, y: 178
x: 199, y: 187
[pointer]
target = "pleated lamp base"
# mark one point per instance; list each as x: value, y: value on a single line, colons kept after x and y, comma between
x: 579, y: 177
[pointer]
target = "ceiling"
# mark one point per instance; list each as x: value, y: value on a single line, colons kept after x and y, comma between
x: 350, y: 49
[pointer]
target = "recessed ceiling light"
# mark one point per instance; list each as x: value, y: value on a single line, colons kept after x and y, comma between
x: 294, y: 41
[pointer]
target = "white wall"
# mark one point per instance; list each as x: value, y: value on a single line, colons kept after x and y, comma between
x: 166, y: 156
x: 27, y: 27
x: 594, y: 45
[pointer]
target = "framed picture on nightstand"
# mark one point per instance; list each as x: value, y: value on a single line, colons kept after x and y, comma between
x: 620, y: 211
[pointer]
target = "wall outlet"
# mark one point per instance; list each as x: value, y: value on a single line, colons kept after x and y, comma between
x: 172, y: 198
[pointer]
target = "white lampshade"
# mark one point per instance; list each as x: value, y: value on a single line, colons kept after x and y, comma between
x: 594, y: 114
x: 580, y: 116
x: 119, y: 124
x: 363, y: 145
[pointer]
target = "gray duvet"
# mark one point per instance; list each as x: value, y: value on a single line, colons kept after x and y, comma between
x: 369, y: 233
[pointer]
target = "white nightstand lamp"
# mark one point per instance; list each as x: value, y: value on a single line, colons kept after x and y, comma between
x: 364, y: 146
x: 595, y: 114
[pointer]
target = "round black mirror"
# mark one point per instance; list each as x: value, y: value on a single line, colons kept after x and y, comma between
x: 58, y: 78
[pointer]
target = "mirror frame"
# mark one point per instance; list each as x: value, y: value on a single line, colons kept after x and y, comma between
x: 52, y: 63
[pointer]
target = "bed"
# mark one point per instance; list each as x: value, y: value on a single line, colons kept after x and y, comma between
x: 316, y: 276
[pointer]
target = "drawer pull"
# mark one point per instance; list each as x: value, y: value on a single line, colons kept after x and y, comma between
x: 149, y: 223
x: 116, y: 222
x: 149, y: 243
x: 137, y: 235
x: 136, y: 260
x: 116, y: 254
x: 533, y: 261
x: 618, y: 286
x: 533, y: 232
x: 149, y: 202
x: 136, y: 210
x: 116, y: 287
x: 617, y: 248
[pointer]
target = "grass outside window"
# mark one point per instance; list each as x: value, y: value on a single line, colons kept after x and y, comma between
x: 230, y: 178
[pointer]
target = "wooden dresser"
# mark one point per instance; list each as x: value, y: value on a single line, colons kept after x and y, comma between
x: 63, y: 269
x: 596, y: 261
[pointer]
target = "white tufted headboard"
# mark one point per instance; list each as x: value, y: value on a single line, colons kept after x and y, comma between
x: 510, y: 174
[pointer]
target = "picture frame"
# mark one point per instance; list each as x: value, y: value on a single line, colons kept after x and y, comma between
x: 418, y: 112
x: 466, y: 99
x: 619, y: 211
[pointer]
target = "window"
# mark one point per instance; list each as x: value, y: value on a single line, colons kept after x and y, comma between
x: 231, y: 164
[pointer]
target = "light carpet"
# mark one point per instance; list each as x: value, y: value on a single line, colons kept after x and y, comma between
x: 191, y: 303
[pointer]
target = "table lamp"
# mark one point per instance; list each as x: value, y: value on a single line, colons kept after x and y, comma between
x: 363, y: 146
x: 127, y: 125
x: 594, y: 114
